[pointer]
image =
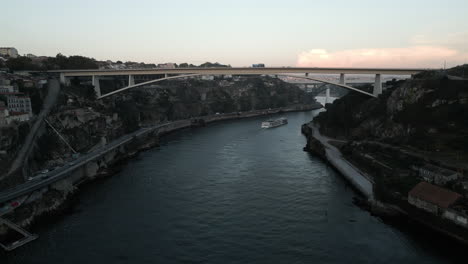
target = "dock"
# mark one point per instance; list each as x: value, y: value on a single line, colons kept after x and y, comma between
x: 27, y: 237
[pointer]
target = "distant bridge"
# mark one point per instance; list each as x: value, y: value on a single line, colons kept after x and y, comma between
x: 176, y: 73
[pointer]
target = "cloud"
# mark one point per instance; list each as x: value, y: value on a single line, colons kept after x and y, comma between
x: 426, y: 56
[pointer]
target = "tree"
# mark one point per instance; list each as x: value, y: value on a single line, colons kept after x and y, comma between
x: 21, y: 63
x: 73, y: 62
x: 183, y: 65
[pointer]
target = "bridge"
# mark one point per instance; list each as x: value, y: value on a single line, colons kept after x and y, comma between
x: 175, y: 73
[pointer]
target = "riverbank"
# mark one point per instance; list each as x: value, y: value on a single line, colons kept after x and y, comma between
x: 400, y: 212
x: 53, y: 199
x: 320, y: 145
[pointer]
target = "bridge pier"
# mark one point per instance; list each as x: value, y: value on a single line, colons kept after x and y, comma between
x: 327, y: 96
x: 342, y: 78
x: 306, y: 74
x: 64, y: 80
x: 378, y: 85
x: 131, y: 80
x: 97, y: 87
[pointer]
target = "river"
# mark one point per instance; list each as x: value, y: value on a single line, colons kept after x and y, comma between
x: 226, y: 193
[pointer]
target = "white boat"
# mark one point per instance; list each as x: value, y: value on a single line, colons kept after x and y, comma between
x: 274, y: 123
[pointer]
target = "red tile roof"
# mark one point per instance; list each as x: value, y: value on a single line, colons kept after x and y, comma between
x: 434, y: 194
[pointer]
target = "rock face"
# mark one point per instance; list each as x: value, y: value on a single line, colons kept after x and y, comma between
x: 85, y: 123
x: 313, y: 145
x: 429, y: 113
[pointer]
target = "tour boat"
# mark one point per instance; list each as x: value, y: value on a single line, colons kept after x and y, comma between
x: 274, y: 123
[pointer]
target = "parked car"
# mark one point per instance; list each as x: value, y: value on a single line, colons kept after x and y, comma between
x: 44, y: 171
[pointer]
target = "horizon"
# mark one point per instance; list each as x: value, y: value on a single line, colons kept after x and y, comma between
x: 301, y: 34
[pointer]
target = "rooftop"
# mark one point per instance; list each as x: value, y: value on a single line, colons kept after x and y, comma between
x: 434, y: 194
x: 442, y: 171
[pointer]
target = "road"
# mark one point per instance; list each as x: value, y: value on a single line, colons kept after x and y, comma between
x: 49, y: 102
x: 48, y: 178
x: 359, y: 179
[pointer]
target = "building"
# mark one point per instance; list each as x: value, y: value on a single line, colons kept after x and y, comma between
x: 18, y: 116
x: 7, y: 88
x: 456, y: 216
x: 258, y: 65
x: 19, y: 104
x: 437, y: 175
x: 9, y: 52
x: 207, y: 77
x: 4, y: 114
x: 432, y: 198
x: 167, y: 65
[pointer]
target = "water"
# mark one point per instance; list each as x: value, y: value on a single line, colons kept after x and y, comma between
x: 227, y: 193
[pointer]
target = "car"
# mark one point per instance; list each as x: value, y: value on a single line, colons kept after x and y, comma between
x: 44, y: 177
x: 44, y: 171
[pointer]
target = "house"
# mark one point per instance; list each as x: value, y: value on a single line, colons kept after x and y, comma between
x: 437, y: 175
x: 4, y: 113
x: 432, y: 198
x: 9, y: 52
x: 207, y: 77
x: 166, y: 65
x: 456, y: 216
x: 7, y: 87
x: 21, y: 104
x: 18, y: 116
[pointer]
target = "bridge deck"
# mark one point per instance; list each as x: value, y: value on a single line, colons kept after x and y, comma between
x: 242, y: 71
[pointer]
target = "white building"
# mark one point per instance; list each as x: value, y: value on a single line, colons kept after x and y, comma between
x: 166, y: 65
x: 20, y: 117
x: 437, y: 175
x: 6, y: 87
x: 4, y: 114
x: 207, y: 77
x: 10, y: 52
x: 19, y: 104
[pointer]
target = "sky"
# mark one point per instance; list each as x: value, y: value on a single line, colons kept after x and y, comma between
x: 315, y: 33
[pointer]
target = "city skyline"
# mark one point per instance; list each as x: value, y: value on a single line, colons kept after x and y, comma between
x: 296, y: 33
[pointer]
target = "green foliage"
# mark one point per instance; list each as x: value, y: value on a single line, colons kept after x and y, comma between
x: 21, y: 63
x: 73, y: 62
x: 212, y: 65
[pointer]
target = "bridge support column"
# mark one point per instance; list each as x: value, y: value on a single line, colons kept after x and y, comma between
x: 327, y: 96
x: 378, y: 84
x: 131, y: 80
x: 306, y: 74
x: 64, y: 80
x: 165, y: 75
x: 342, y: 78
x: 97, y: 87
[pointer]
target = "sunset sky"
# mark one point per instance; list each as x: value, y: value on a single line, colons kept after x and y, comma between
x: 328, y: 33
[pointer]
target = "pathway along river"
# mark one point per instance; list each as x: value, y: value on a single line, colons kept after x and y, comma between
x: 227, y: 193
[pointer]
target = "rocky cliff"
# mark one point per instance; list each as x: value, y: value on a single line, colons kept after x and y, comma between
x: 86, y: 123
x: 428, y: 112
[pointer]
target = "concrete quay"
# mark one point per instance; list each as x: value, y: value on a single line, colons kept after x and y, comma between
x: 360, y: 180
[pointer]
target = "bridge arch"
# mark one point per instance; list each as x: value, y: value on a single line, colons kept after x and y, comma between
x: 198, y: 74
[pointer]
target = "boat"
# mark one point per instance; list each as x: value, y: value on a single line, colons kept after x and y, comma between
x: 274, y: 123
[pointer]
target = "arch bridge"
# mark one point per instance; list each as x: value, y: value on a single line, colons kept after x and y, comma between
x: 176, y: 73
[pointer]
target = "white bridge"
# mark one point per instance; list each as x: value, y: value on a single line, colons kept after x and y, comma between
x: 176, y: 73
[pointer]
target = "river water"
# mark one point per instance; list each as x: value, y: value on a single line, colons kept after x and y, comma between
x: 227, y: 193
